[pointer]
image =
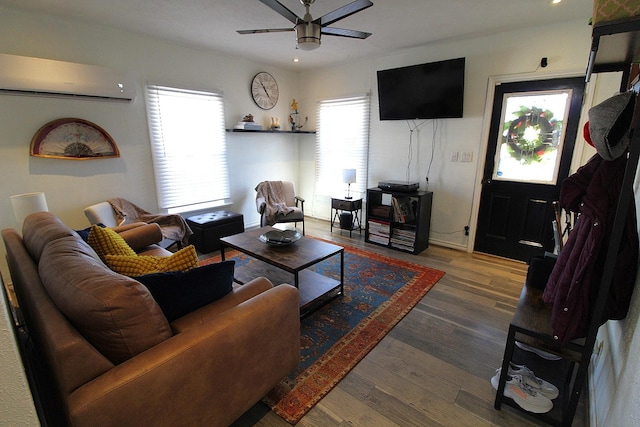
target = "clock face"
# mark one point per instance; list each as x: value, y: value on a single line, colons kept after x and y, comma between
x: 264, y: 90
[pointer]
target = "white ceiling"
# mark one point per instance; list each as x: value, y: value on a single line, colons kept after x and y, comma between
x: 395, y: 24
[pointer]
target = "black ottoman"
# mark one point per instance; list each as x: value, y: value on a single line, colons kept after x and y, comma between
x: 209, y: 227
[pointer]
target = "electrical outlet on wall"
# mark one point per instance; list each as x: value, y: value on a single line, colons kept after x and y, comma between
x: 453, y: 156
x: 466, y: 156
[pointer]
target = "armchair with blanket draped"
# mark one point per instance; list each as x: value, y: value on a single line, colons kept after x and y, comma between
x: 117, y: 212
x: 277, y: 202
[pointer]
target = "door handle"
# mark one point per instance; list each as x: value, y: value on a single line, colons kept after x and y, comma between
x: 486, y: 181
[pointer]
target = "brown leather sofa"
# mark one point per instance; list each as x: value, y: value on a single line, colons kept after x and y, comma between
x: 205, y: 368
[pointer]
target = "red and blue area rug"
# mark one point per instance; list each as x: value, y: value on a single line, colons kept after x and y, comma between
x: 378, y: 292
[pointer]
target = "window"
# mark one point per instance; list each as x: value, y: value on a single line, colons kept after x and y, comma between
x: 342, y: 142
x: 188, y: 147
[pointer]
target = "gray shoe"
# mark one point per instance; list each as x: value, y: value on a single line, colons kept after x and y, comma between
x: 541, y: 353
x: 546, y: 388
x: 523, y: 394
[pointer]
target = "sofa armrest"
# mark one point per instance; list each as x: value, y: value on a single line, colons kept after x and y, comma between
x: 140, y: 236
x: 125, y: 227
x: 238, y: 295
x: 212, y: 373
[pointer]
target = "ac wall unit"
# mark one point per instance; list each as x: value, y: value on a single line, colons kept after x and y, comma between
x: 23, y: 75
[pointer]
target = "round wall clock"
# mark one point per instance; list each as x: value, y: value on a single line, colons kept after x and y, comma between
x: 264, y: 90
x: 72, y: 138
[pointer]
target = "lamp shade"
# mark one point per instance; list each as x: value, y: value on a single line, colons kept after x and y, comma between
x: 28, y: 203
x: 348, y: 176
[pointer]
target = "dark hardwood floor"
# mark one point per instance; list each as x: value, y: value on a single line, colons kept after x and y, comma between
x: 434, y: 367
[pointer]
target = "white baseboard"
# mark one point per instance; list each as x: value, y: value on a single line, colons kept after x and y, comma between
x: 447, y: 244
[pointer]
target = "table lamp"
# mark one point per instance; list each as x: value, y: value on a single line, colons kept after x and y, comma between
x: 28, y: 203
x: 348, y: 177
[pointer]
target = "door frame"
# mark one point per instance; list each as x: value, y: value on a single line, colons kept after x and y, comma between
x: 486, y: 124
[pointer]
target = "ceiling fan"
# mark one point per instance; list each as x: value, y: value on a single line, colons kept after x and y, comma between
x: 309, y: 30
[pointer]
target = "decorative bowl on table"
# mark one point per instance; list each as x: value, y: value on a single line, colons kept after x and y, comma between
x: 280, y: 237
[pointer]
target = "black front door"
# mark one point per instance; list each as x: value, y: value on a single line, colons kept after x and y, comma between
x: 533, y: 130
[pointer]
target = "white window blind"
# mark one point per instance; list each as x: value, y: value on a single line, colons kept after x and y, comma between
x: 342, y: 142
x: 188, y: 146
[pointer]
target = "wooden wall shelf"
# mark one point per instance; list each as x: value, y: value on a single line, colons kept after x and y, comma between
x: 270, y: 131
x: 614, y: 45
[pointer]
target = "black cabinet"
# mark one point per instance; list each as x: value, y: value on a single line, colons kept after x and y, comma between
x: 398, y: 220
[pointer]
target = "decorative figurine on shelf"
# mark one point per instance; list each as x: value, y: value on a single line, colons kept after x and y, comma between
x: 293, y: 117
x: 248, y: 118
x: 294, y: 124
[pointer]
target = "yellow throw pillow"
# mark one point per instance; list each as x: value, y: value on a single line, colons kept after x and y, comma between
x: 105, y: 241
x: 183, y: 260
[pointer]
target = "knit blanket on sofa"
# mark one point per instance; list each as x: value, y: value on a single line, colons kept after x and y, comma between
x: 173, y: 226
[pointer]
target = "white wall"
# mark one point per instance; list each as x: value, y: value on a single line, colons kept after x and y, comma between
x: 71, y: 185
x: 624, y: 380
x: 16, y: 405
x: 516, y: 55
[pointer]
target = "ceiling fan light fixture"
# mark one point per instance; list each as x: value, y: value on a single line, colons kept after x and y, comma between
x: 309, y: 30
x: 308, y: 35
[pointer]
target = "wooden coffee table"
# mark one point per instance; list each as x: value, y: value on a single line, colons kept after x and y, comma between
x: 279, y: 262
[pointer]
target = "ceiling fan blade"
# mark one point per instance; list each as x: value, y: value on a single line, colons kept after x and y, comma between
x: 341, y: 12
x: 265, y: 30
x: 282, y: 10
x: 341, y: 32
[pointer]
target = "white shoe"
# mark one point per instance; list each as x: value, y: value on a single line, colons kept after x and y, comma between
x: 545, y: 388
x: 541, y: 353
x: 523, y: 394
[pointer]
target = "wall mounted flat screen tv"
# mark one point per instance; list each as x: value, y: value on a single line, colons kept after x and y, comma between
x: 433, y: 90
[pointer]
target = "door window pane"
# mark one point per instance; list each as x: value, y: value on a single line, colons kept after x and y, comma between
x: 529, y: 147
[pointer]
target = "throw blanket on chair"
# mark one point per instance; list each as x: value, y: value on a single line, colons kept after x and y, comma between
x: 271, y: 194
x: 173, y: 226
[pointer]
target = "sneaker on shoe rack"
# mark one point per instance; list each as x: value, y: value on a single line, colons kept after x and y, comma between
x: 523, y: 394
x: 541, y: 353
x: 544, y: 387
x: 528, y: 376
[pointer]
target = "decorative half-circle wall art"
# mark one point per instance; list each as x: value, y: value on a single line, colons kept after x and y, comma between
x: 74, y: 139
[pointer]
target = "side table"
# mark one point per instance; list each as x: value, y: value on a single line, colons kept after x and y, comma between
x: 353, y: 207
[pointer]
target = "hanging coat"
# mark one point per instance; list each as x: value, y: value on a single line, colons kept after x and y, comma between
x: 574, y: 282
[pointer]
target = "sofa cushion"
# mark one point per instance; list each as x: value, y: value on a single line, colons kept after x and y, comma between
x: 178, y: 293
x: 39, y: 229
x: 105, y: 242
x: 116, y: 314
x: 138, y: 265
x: 84, y: 233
